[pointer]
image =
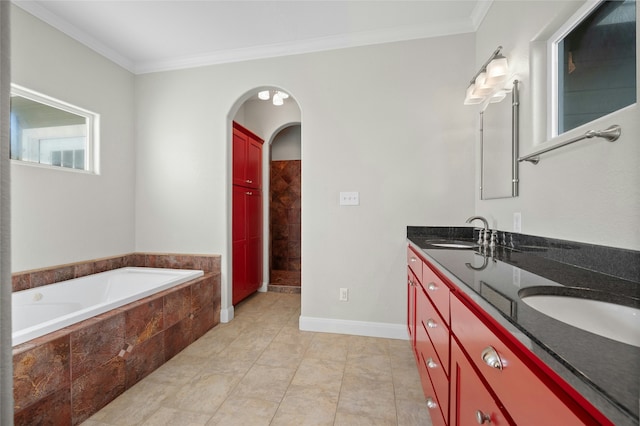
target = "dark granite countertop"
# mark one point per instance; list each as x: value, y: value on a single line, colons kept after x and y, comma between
x: 604, y: 371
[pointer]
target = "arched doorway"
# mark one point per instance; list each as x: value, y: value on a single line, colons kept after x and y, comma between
x: 265, y: 119
x: 285, y: 211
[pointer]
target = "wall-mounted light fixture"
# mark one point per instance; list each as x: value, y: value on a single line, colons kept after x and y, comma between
x: 278, y: 96
x: 488, y: 83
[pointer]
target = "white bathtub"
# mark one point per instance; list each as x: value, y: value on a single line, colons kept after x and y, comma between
x: 38, y: 311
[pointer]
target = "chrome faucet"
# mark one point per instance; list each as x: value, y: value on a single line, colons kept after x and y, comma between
x: 483, y: 232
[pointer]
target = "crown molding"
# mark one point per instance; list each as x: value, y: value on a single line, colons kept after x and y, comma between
x: 74, y: 32
x: 479, y: 13
x: 305, y: 46
x: 262, y: 51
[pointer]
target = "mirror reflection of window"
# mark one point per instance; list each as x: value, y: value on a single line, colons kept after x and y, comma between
x: 49, y: 134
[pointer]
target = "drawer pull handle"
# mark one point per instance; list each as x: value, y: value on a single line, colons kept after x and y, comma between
x: 431, y: 323
x: 249, y: 193
x: 431, y: 403
x: 413, y: 259
x: 431, y: 363
x: 482, y: 418
x: 432, y: 287
x: 491, y: 358
x: 249, y: 181
x: 411, y: 283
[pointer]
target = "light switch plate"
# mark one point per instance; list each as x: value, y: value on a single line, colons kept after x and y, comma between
x: 517, y: 222
x: 349, y: 198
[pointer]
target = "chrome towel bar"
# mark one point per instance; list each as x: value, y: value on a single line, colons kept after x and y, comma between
x: 611, y: 134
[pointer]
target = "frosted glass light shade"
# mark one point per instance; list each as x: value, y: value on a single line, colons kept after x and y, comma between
x: 471, y: 98
x: 481, y: 86
x: 264, y: 95
x: 497, y: 71
x: 498, y: 96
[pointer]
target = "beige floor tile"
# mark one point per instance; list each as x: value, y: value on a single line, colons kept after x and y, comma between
x: 230, y: 362
x: 294, y: 335
x: 348, y: 419
x: 328, y: 346
x: 361, y: 346
x: 361, y: 395
x: 376, y: 367
x: 282, y: 354
x: 126, y: 411
x: 319, y: 374
x: 412, y: 413
x: 91, y: 422
x: 305, y: 405
x: 368, y: 404
x: 171, y: 417
x: 177, y: 371
x: 260, y: 369
x: 204, y: 394
x: 407, y: 385
x: 243, y: 411
x: 265, y: 383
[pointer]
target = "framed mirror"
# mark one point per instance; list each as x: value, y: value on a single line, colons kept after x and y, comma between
x: 499, y: 129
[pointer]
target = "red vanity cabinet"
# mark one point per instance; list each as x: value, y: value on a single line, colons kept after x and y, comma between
x: 530, y: 395
x: 473, y: 370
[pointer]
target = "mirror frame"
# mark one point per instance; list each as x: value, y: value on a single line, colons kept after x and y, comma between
x: 515, y: 142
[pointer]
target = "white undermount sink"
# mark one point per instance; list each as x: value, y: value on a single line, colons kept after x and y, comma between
x: 614, y: 321
x: 457, y: 245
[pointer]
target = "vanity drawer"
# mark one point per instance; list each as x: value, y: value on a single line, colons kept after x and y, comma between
x: 428, y: 319
x: 415, y: 263
x: 527, y: 398
x: 436, y: 412
x: 430, y: 361
x: 437, y: 291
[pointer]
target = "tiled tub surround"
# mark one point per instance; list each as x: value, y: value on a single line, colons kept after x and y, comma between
x: 605, y: 372
x: 66, y: 376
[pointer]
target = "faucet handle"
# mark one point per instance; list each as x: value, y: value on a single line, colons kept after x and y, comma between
x: 494, y: 238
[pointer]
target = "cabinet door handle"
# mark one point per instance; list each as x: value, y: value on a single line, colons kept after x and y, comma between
x: 249, y: 181
x: 431, y: 363
x: 431, y: 403
x: 482, y: 418
x: 431, y: 323
x: 491, y: 357
x: 413, y: 259
x: 432, y: 287
x: 411, y: 283
x: 248, y: 193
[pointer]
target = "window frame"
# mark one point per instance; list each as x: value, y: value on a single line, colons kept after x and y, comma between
x: 92, y: 123
x: 553, y: 68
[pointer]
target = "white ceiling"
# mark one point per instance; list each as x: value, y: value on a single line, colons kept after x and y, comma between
x: 154, y: 35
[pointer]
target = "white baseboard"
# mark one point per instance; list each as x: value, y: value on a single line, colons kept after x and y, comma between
x: 227, y: 315
x: 357, y: 328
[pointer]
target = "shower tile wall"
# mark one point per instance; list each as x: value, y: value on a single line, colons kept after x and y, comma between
x: 285, y: 218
